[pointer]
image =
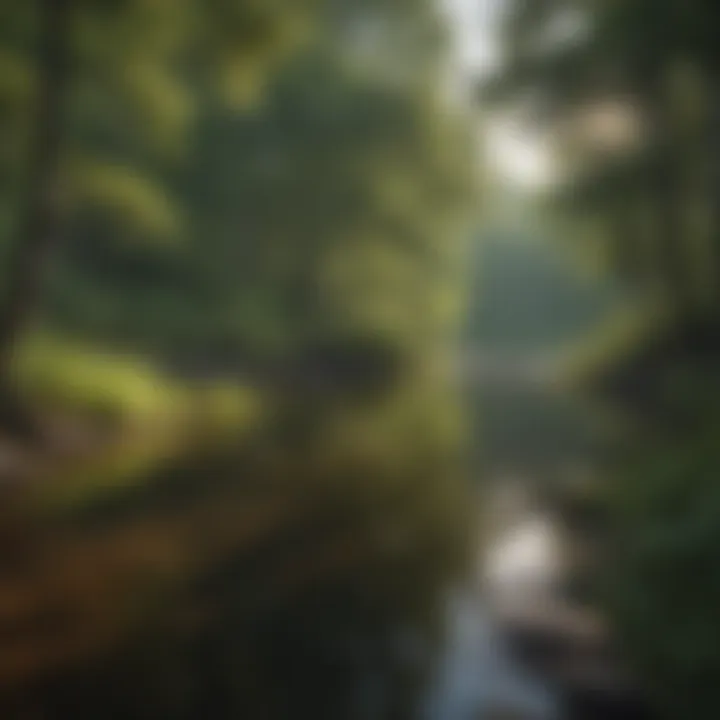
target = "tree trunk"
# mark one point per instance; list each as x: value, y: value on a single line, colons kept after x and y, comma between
x: 39, y: 221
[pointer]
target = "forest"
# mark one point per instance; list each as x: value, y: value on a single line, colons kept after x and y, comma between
x: 231, y: 232
x: 242, y: 242
x: 627, y: 92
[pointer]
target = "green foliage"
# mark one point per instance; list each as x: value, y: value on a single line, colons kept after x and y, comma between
x: 133, y: 418
x: 288, y: 544
x: 134, y: 72
x: 336, y: 200
x: 324, y: 219
x: 339, y: 202
x: 653, y: 196
x: 129, y: 202
x: 126, y: 390
x: 66, y: 376
x: 662, y: 583
x: 660, y: 71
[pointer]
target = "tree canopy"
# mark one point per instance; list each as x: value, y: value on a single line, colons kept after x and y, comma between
x: 651, y: 66
x: 200, y: 212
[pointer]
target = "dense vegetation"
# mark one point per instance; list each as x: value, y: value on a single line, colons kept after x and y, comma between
x: 628, y: 90
x: 223, y: 225
x: 197, y: 221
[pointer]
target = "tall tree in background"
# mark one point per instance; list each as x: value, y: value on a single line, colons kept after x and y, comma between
x: 78, y: 56
x: 335, y: 205
x: 660, y: 59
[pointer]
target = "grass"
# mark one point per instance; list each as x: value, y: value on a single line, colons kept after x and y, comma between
x: 80, y: 379
x: 136, y: 418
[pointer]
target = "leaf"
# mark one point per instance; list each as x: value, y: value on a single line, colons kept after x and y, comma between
x: 125, y: 196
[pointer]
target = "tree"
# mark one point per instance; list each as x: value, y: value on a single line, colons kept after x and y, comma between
x: 342, y: 194
x: 659, y: 496
x: 629, y: 54
x: 111, y: 55
x: 39, y: 221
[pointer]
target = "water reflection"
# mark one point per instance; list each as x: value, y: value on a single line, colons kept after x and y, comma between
x: 524, y: 562
x: 478, y: 676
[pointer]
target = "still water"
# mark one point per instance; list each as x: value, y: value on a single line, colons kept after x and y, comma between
x: 523, y: 436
